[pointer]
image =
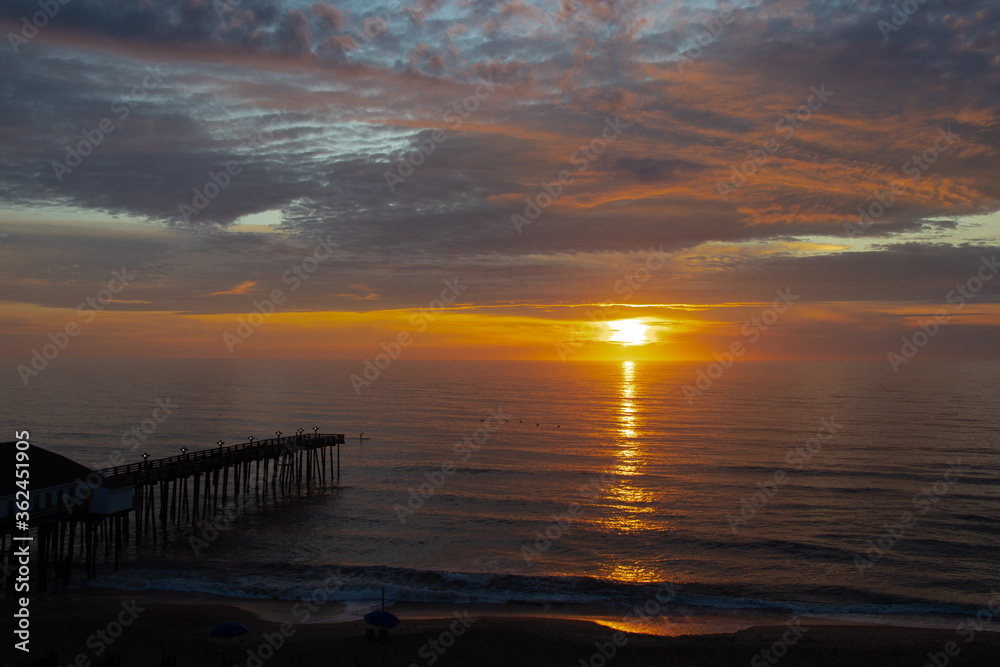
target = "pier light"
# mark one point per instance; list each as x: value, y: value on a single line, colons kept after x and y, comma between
x: 315, y: 431
x: 278, y: 433
x: 220, y: 443
x: 184, y: 451
x: 300, y: 432
x: 144, y: 457
x: 251, y: 439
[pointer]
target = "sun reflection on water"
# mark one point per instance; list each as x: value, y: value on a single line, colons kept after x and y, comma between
x: 628, y: 417
x: 627, y: 503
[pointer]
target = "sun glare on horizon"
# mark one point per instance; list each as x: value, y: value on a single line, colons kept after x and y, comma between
x: 629, y: 332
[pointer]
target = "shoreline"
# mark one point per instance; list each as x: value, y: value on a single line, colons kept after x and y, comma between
x: 158, y: 623
x: 678, y: 620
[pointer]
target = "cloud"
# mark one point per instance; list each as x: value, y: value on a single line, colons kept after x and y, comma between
x: 329, y: 14
x: 297, y: 108
x: 242, y: 288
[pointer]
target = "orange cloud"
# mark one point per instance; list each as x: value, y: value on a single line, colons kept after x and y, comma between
x: 242, y: 288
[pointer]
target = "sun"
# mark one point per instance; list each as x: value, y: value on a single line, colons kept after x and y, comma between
x: 628, y: 332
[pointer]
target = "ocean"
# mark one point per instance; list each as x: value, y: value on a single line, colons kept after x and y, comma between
x: 834, y: 490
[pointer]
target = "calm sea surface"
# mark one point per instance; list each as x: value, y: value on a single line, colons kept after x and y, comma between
x: 605, y: 483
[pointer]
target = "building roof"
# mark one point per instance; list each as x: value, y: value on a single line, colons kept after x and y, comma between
x: 48, y: 469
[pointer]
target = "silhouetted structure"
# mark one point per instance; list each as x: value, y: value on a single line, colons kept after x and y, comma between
x: 67, y: 498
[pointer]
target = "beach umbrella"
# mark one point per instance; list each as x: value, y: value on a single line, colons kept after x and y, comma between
x: 229, y: 629
x: 382, y: 619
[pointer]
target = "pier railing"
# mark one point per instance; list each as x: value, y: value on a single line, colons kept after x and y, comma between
x: 210, y: 459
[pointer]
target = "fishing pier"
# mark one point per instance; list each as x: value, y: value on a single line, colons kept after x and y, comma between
x: 74, y: 509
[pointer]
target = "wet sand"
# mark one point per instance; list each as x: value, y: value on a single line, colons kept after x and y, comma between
x: 158, y: 625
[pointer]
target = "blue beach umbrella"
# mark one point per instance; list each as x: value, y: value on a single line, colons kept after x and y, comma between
x: 229, y: 629
x: 382, y: 619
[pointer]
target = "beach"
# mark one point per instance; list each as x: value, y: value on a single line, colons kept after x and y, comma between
x: 72, y: 623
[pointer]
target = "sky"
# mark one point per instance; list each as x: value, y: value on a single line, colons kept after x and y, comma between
x: 574, y: 180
